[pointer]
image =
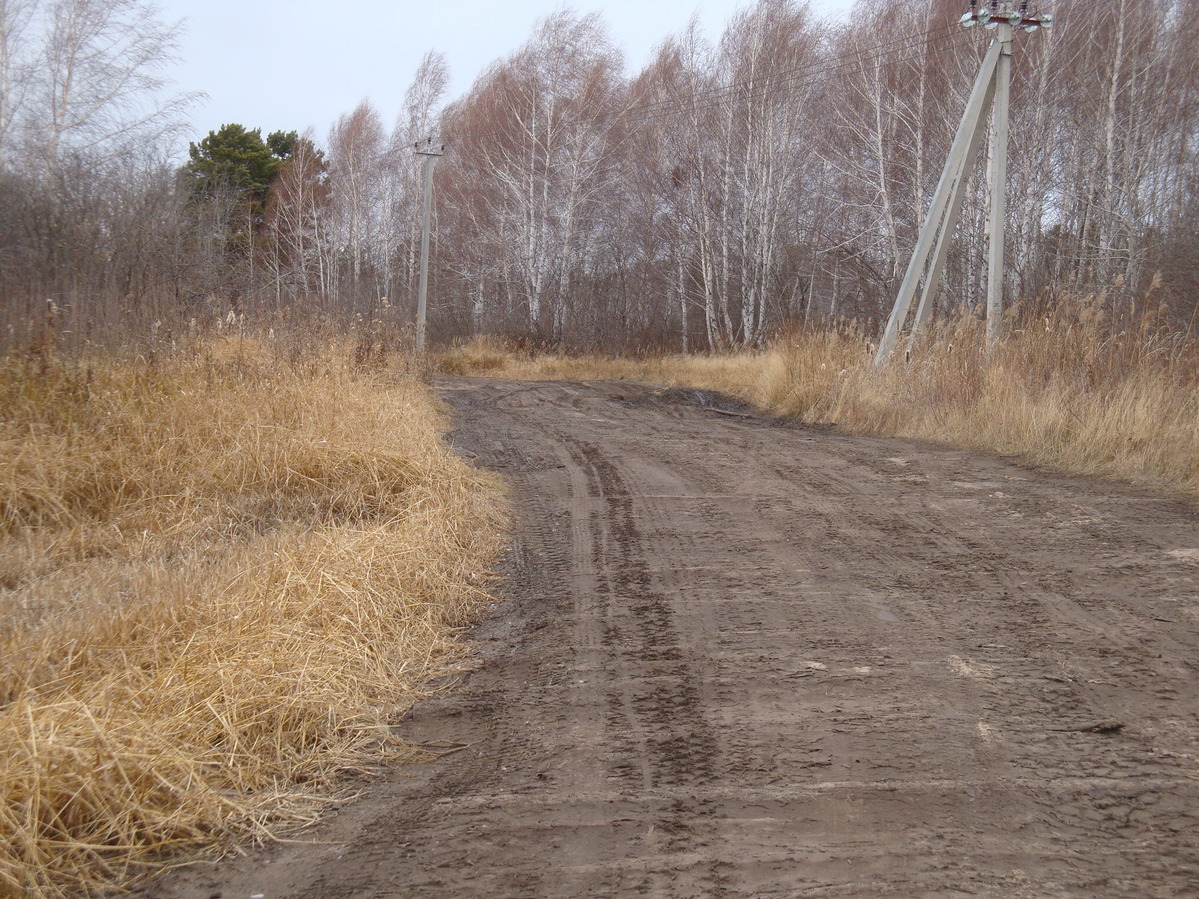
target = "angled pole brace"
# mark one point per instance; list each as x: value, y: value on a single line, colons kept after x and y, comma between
x: 948, y: 194
x: 932, y: 283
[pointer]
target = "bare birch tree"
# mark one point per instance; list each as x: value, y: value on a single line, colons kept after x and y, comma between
x: 357, y: 144
x: 16, y: 71
x: 102, y: 85
x: 543, y: 158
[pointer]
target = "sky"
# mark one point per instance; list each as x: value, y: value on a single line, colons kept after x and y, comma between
x: 292, y: 64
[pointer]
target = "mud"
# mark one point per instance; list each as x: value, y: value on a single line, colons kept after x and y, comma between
x: 732, y: 657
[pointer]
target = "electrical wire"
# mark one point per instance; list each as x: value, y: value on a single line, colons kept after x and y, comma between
x: 789, y: 79
x: 790, y: 85
x: 806, y: 67
x: 718, y: 96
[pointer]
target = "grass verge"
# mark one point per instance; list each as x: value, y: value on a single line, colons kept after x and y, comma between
x: 1069, y: 391
x: 220, y: 578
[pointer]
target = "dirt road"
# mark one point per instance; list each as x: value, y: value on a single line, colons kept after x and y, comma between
x: 734, y: 657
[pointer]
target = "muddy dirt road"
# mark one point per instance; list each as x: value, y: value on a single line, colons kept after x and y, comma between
x: 738, y: 658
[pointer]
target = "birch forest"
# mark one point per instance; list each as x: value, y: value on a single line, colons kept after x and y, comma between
x: 773, y: 179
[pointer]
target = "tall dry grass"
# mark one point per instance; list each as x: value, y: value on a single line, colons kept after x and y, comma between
x: 1071, y: 390
x: 221, y: 577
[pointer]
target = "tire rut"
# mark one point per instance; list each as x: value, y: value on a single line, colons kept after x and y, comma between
x: 655, y: 719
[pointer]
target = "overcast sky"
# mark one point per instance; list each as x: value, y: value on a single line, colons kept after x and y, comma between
x: 291, y: 64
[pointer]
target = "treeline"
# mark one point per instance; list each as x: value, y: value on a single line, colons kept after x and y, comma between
x: 724, y: 191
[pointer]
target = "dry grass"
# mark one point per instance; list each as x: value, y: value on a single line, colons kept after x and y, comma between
x: 490, y: 356
x: 220, y: 578
x: 1070, y: 391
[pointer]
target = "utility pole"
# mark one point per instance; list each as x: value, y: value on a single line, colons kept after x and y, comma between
x: 990, y: 93
x: 999, y: 142
x: 429, y: 154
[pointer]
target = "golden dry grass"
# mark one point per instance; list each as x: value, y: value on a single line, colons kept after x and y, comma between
x: 1071, y: 391
x: 220, y: 578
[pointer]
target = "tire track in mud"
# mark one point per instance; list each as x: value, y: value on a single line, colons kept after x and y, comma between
x: 737, y: 658
x: 655, y: 721
x: 669, y: 703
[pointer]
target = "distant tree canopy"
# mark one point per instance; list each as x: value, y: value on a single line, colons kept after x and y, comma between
x: 237, y: 158
x: 726, y: 191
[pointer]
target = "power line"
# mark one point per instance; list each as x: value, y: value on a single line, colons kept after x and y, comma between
x: 789, y: 84
x: 788, y: 74
x: 789, y: 80
x: 717, y: 96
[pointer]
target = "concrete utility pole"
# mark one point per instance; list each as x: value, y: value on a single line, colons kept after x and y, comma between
x: 430, y: 153
x: 990, y: 92
x: 999, y: 142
